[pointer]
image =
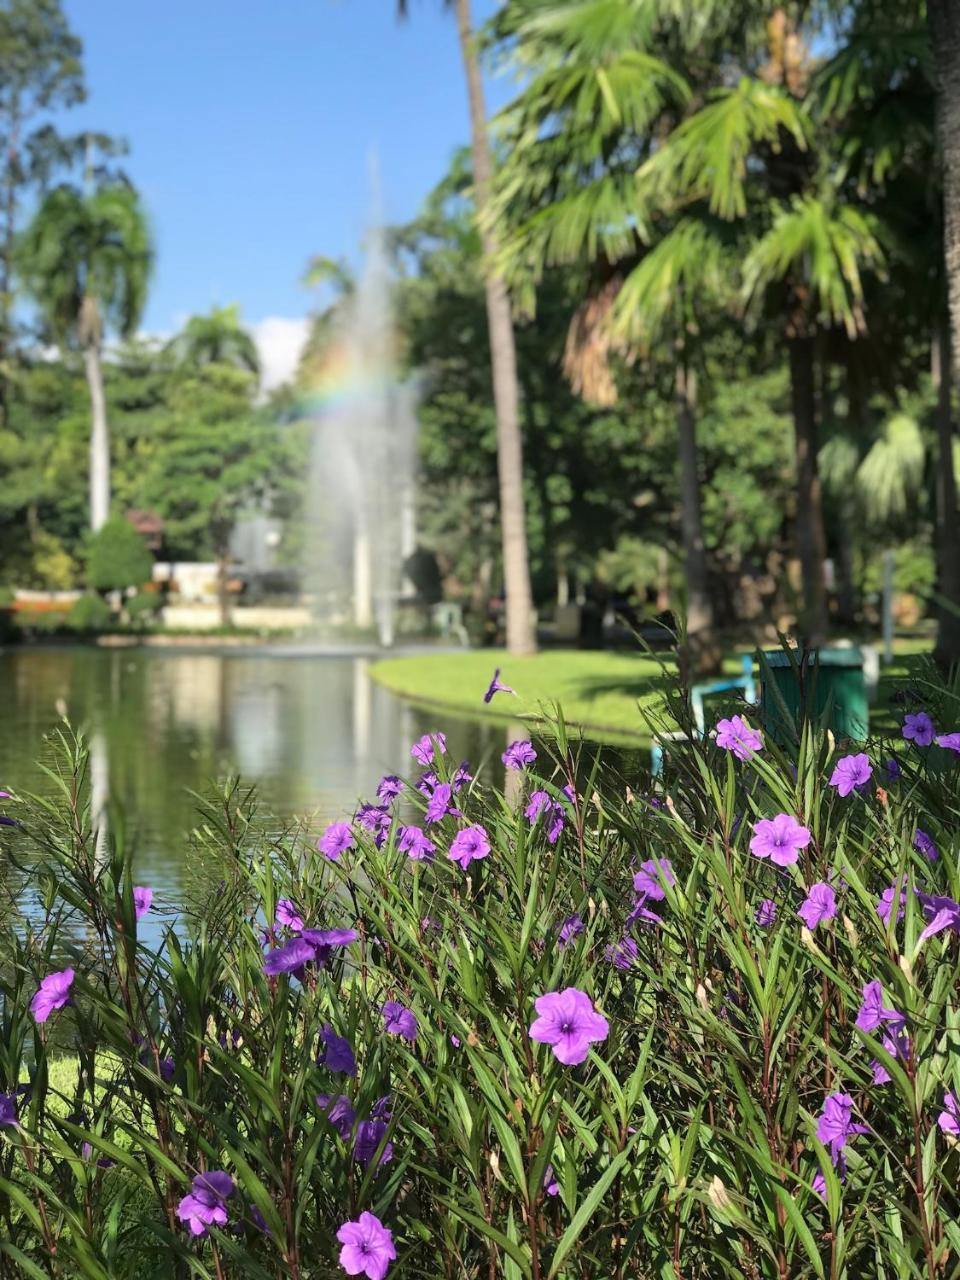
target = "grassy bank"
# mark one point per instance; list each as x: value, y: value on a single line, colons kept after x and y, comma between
x: 607, y: 695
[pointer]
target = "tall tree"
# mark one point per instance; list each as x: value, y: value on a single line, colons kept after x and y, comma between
x: 521, y: 627
x: 86, y: 260
x: 40, y: 73
x: 944, y: 21
x: 216, y: 338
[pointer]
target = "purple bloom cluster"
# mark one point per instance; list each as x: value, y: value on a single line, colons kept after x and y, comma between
x: 337, y: 1053
x: 415, y: 844
x: 892, y: 1024
x: 553, y: 812
x: 430, y: 747
x: 918, y: 728
x: 337, y: 838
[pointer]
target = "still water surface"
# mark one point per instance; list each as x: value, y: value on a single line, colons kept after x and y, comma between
x: 314, y: 733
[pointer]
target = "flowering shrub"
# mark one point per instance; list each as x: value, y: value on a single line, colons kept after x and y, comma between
x: 580, y: 1032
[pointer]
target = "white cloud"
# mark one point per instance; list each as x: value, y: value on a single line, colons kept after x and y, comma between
x: 279, y: 339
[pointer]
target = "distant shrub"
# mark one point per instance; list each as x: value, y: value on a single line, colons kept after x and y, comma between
x: 89, y: 613
x: 143, y: 608
x: 117, y: 557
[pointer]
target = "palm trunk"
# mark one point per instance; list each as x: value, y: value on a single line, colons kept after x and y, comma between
x: 99, y: 439
x: 811, y: 542
x: 947, y: 650
x: 521, y: 628
x: 701, y: 656
x: 944, y: 22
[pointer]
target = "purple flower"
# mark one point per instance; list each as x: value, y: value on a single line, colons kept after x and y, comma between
x: 652, y: 876
x: 338, y: 1109
x: 641, y: 913
x: 469, y: 844
x: 323, y: 942
x: 415, y: 844
x: 872, y: 1013
x: 337, y: 838
x: 780, y: 839
x: 382, y: 1109
x: 293, y: 955
x: 836, y: 1123
x: 542, y: 802
x: 571, y: 928
x: 368, y: 1247
x: 943, y: 913
x: 205, y: 1206
x: 430, y: 744
x: 851, y: 772
x: 568, y: 1023
x: 54, y: 993
x: 389, y: 788
x: 886, y: 903
x: 496, y: 686
x: 168, y: 1069
x: 439, y: 804
x: 949, y: 741
x: 8, y: 1110
x: 287, y: 914
x: 736, y: 735
x: 766, y: 913
x: 426, y: 782
x: 337, y: 1053
x: 918, y: 728
x: 370, y: 1134
x: 539, y: 801
x: 518, y: 755
x: 892, y: 769
x: 819, y: 905
x: 462, y: 775
x: 949, y: 1117
x: 375, y: 818
x: 925, y: 845
x: 550, y: 1184
x: 142, y: 900
x: 623, y: 953
x: 398, y: 1020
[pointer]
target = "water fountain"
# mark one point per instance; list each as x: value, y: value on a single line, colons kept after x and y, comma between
x: 361, y: 524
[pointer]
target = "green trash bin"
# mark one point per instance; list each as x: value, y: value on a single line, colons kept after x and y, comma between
x: 833, y: 676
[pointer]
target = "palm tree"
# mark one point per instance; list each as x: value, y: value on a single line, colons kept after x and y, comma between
x: 86, y: 261
x: 943, y: 18
x: 595, y: 98
x: 521, y: 627
x: 216, y: 338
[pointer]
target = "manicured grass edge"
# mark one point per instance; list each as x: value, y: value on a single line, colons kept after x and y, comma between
x: 471, y: 711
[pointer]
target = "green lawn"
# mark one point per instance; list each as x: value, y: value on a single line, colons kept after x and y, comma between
x: 598, y: 691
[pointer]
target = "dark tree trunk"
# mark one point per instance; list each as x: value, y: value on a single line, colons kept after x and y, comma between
x: 944, y: 21
x: 811, y: 543
x: 947, y: 651
x: 702, y: 655
x: 521, y: 627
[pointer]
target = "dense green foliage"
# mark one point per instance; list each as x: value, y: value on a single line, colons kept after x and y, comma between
x: 685, y: 1145
x: 117, y: 557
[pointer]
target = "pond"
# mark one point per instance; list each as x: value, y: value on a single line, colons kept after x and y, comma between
x: 315, y: 734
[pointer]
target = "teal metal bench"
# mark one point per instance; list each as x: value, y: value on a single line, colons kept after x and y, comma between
x: 698, y: 693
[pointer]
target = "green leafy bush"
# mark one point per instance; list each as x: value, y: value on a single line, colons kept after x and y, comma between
x: 143, y: 608
x: 343, y: 1029
x: 117, y: 557
x: 89, y: 613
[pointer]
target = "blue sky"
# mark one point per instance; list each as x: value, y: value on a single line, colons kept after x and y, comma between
x: 250, y: 123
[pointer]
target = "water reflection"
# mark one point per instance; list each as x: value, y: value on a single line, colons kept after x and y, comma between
x: 314, y: 734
